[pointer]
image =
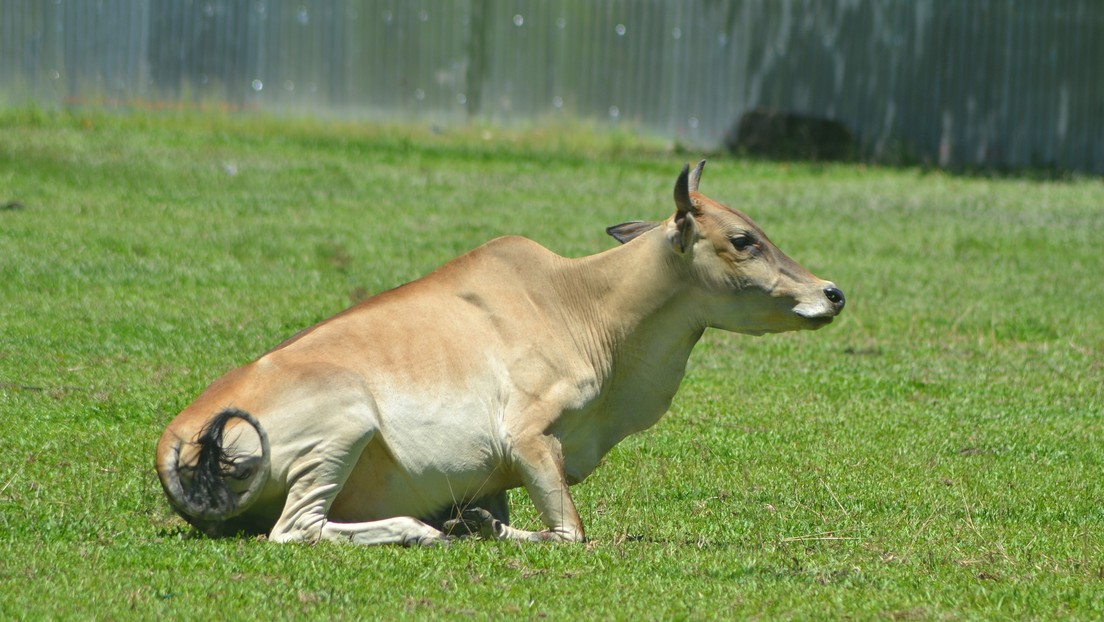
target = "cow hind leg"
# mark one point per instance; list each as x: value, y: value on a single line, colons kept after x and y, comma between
x: 328, y: 453
x: 497, y: 505
x: 317, y: 480
x: 402, y: 530
x: 483, y: 517
x: 305, y: 513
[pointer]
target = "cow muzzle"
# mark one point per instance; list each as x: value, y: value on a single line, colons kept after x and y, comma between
x: 835, y: 297
x: 823, y: 307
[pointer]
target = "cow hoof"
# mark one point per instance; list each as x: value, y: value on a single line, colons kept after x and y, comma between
x: 474, y: 522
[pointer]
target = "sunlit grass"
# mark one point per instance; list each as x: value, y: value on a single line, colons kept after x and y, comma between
x: 936, y: 453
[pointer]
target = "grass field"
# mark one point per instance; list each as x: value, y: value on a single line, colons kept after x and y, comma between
x: 935, y: 454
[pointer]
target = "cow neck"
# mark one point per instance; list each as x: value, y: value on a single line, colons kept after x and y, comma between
x: 638, y: 309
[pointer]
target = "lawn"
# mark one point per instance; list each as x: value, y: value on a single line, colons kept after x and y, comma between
x: 934, y: 454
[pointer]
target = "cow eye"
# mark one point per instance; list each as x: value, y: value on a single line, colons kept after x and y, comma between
x: 741, y: 242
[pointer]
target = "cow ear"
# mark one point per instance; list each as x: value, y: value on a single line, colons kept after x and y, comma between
x: 631, y: 230
x: 684, y: 231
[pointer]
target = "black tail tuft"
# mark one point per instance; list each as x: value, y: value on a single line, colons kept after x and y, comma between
x: 208, y: 491
x: 200, y: 491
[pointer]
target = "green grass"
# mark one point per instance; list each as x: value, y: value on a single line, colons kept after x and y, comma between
x: 935, y: 454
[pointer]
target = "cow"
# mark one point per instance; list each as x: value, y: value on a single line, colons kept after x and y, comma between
x: 406, y: 418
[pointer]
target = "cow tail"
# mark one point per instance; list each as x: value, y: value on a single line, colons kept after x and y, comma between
x: 203, y: 496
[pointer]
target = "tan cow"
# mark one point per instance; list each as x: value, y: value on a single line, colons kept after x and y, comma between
x: 406, y: 418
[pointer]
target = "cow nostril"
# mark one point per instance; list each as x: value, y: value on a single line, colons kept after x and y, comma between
x: 835, y: 296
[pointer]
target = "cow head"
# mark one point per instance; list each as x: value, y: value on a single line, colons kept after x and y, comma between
x: 742, y: 282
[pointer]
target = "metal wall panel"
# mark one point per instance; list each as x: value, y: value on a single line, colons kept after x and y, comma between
x: 986, y: 82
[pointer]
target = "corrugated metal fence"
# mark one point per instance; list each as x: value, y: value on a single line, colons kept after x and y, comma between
x: 985, y: 82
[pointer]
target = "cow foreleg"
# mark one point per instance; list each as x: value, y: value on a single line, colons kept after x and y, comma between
x: 540, y: 464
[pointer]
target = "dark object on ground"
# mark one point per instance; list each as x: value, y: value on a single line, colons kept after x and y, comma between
x: 11, y: 206
x: 785, y: 135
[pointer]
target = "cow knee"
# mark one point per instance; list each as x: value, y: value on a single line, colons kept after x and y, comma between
x: 304, y: 527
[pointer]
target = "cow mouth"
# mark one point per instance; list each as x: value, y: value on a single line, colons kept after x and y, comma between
x: 816, y: 321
